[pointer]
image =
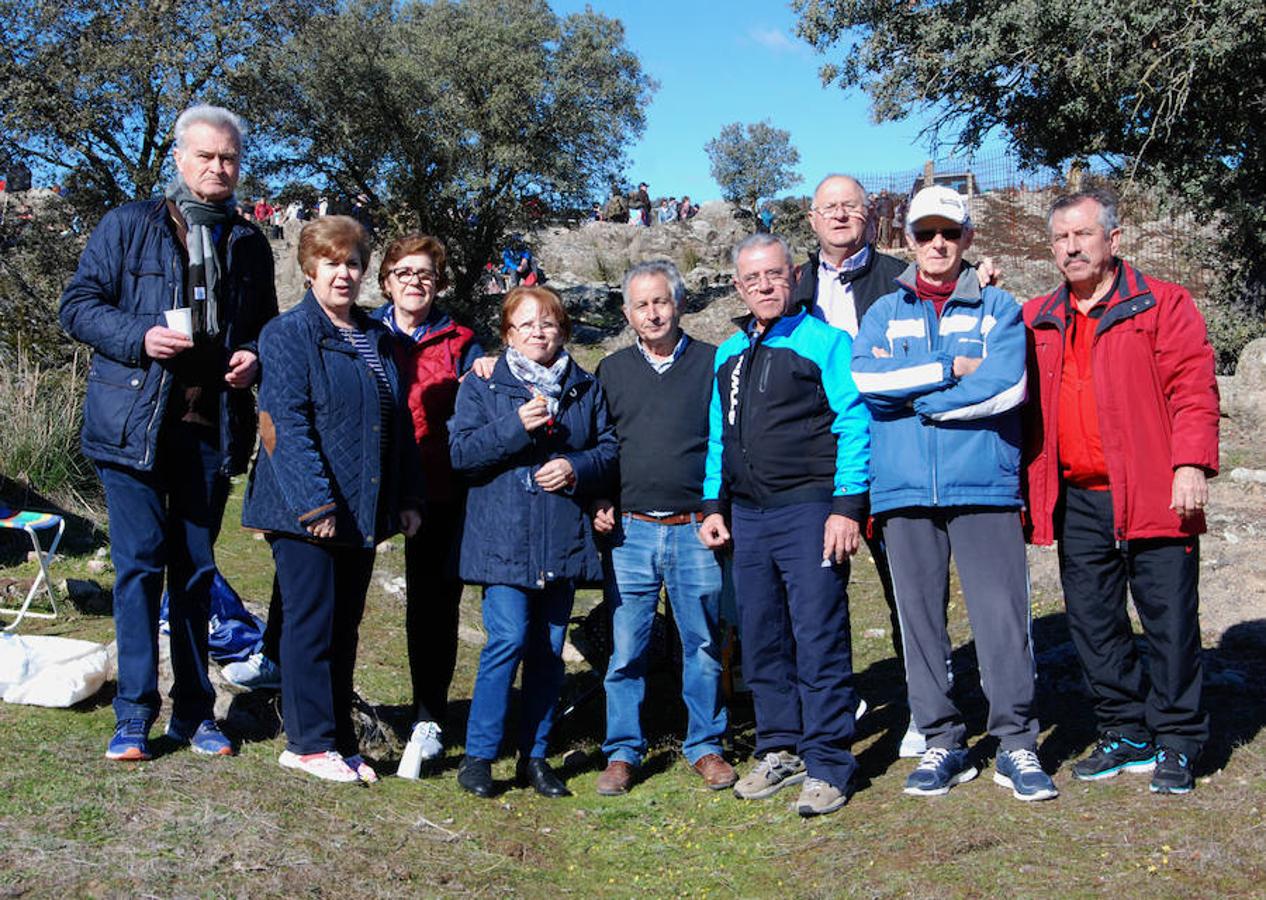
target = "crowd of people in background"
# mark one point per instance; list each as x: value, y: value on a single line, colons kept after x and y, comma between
x: 915, y: 407
x: 637, y: 208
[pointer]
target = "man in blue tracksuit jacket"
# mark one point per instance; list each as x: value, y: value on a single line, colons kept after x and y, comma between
x: 940, y: 363
x: 786, y: 471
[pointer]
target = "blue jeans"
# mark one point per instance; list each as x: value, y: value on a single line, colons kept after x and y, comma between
x: 527, y: 625
x: 643, y: 558
x: 165, y: 520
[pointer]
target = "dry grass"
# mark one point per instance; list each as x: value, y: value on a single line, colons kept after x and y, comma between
x: 74, y: 824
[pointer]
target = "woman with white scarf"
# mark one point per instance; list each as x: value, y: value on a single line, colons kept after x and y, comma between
x: 537, y: 445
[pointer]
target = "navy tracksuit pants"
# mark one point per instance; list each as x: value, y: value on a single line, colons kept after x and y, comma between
x: 1162, y: 575
x: 797, y: 646
x: 322, y: 592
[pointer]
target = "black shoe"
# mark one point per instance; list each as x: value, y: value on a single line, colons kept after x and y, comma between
x: 475, y: 775
x: 537, y: 773
x: 1173, y: 772
x: 1114, y: 754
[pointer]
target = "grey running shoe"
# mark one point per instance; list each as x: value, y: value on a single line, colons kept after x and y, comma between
x: 771, y: 775
x: 818, y: 797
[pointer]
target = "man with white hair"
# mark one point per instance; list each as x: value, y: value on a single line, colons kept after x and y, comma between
x: 171, y: 295
x: 658, y: 392
x: 941, y: 364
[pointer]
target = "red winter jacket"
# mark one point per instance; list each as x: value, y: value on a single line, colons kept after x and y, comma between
x: 432, y: 369
x: 1157, y: 399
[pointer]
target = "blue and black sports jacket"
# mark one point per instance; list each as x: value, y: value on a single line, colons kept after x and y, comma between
x: 787, y: 424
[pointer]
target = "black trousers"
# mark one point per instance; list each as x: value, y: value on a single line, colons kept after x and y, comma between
x: 1163, y: 702
x: 433, y: 597
x: 322, y: 592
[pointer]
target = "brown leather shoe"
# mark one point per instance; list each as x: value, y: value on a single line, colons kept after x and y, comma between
x: 616, y: 779
x: 717, y: 774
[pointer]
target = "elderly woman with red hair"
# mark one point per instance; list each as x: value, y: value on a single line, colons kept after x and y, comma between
x: 537, y: 444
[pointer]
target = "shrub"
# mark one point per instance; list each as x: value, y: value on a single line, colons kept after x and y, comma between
x: 41, y: 409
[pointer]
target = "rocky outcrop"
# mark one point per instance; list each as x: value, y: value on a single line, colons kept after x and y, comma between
x: 1244, y: 394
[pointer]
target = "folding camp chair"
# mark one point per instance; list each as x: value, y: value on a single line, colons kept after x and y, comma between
x: 32, y: 523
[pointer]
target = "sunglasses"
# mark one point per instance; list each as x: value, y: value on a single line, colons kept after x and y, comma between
x: 923, y: 235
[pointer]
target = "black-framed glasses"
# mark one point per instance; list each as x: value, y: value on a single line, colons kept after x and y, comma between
x: 923, y: 235
x: 422, y: 276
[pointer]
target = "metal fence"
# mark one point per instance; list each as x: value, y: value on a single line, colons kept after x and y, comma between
x: 1010, y: 203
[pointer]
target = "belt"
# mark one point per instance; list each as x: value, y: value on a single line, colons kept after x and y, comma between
x: 678, y: 519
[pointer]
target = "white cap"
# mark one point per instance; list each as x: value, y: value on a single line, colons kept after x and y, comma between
x: 940, y: 201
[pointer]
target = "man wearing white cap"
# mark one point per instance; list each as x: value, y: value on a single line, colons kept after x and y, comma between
x: 941, y: 364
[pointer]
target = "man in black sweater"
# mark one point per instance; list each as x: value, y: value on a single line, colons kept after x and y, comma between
x: 658, y: 391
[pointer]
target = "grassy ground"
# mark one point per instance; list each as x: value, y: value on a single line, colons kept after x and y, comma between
x: 73, y: 824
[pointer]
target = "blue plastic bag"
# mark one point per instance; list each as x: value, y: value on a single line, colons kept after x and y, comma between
x: 234, y: 631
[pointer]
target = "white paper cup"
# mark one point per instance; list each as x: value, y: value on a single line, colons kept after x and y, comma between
x: 180, y: 320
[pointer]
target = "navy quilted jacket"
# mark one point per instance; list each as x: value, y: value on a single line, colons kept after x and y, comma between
x: 131, y: 270
x: 516, y: 533
x: 319, y: 428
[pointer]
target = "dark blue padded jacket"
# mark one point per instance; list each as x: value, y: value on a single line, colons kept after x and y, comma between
x: 320, y: 430
x: 130, y: 272
x: 516, y: 533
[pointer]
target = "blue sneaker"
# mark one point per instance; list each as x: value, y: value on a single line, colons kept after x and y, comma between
x: 1173, y: 773
x: 1112, y: 754
x: 130, y: 741
x: 1020, y: 771
x: 938, y: 771
x: 205, y: 738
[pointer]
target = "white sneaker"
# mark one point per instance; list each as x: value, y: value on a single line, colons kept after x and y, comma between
x: 328, y: 766
x: 424, y: 744
x: 257, y: 673
x: 913, y: 743
x: 364, y: 771
x: 861, y: 710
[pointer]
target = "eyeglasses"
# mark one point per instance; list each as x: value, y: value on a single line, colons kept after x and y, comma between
x: 542, y: 327
x: 421, y: 276
x: 923, y: 235
x: 834, y: 209
x: 773, y: 276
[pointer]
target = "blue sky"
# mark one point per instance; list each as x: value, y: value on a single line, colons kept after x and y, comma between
x: 739, y: 61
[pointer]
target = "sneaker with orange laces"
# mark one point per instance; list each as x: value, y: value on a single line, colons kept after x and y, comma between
x: 327, y: 765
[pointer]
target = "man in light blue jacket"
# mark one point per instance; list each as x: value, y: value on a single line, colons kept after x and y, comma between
x: 940, y: 363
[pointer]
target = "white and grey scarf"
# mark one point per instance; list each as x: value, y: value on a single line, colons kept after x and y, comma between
x: 545, y: 380
x: 204, y: 265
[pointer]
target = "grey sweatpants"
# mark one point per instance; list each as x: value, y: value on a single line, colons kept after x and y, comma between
x: 988, y: 550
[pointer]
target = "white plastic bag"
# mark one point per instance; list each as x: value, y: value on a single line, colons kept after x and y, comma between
x: 40, y: 670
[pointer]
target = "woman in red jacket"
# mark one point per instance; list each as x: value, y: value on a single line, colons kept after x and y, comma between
x: 432, y: 353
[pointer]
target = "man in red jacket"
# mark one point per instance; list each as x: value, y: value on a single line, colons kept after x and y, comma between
x: 1122, y: 435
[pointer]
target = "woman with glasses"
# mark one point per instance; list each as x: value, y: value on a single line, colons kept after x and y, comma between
x: 537, y: 445
x: 433, y: 353
x: 336, y: 473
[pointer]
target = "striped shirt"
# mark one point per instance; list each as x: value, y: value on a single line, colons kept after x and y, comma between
x: 386, y: 399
